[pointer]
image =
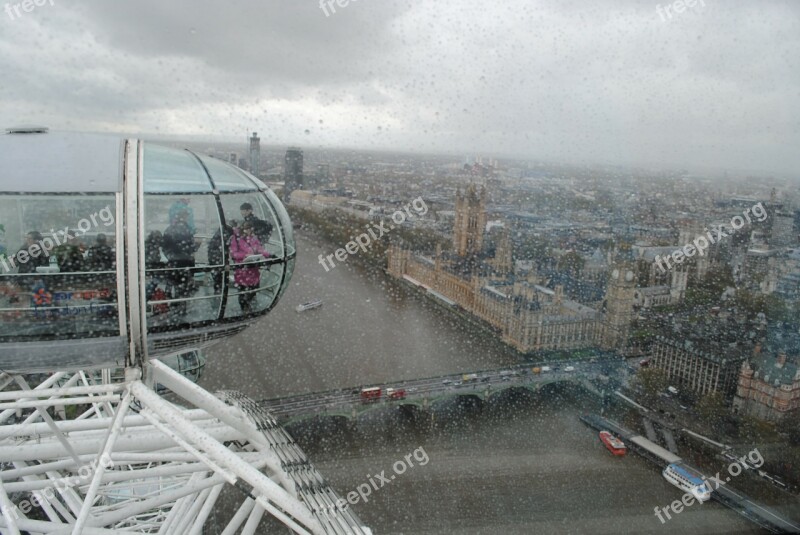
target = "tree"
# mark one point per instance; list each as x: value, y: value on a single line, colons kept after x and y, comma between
x: 712, y: 410
x: 571, y: 263
x: 754, y: 430
x: 530, y: 247
x: 791, y: 426
x: 652, y: 381
x: 707, y: 291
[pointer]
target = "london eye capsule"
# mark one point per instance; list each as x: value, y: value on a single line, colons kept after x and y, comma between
x: 113, y: 251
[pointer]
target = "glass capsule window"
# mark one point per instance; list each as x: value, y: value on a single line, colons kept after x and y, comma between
x: 173, y: 171
x: 58, y: 261
x: 227, y: 178
x: 256, y: 247
x: 182, y: 264
x: 209, y: 257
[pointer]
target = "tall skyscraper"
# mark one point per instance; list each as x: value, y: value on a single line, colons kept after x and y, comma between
x: 233, y: 158
x: 292, y: 172
x: 255, y: 154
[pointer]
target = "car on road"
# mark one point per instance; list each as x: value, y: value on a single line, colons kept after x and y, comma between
x: 486, y: 379
x: 569, y: 369
x: 545, y: 369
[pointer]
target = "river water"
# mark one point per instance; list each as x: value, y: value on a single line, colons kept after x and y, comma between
x: 520, y: 463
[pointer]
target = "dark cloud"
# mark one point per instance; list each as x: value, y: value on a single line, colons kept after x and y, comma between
x: 717, y: 85
x: 278, y: 42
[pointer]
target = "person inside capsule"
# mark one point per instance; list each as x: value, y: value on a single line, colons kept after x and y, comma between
x: 51, y: 287
x: 245, y: 246
x: 179, y: 246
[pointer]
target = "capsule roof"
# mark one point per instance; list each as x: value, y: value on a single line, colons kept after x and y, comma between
x: 60, y: 162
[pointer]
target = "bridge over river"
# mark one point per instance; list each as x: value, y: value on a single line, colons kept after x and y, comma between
x: 600, y: 376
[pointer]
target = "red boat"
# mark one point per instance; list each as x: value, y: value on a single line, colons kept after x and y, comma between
x: 614, y: 445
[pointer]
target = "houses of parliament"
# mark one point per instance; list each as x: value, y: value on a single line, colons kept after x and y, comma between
x: 529, y: 316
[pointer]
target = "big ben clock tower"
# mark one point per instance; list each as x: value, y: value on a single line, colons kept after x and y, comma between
x: 619, y: 308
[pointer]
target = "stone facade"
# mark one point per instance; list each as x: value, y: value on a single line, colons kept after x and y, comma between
x: 470, y: 221
x: 529, y: 317
x: 619, y: 311
x: 769, y: 387
x: 696, y: 367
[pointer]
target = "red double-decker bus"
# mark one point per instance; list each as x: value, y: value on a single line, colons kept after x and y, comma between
x: 371, y: 394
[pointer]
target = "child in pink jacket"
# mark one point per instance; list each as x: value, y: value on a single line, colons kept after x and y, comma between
x: 246, y: 278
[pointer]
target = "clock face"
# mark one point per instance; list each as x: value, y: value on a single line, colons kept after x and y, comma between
x: 629, y: 276
x: 615, y: 274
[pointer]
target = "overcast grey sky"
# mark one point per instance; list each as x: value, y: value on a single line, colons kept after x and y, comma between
x: 717, y: 85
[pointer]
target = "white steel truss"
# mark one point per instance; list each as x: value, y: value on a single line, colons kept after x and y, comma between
x: 80, y: 454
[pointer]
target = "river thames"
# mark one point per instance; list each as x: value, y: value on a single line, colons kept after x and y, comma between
x: 520, y: 463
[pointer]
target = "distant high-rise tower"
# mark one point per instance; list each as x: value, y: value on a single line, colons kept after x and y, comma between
x: 255, y: 154
x: 470, y: 221
x: 233, y: 158
x: 292, y: 172
x: 323, y: 173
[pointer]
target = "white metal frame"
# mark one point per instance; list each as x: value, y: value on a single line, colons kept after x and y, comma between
x: 96, y: 456
x: 131, y: 461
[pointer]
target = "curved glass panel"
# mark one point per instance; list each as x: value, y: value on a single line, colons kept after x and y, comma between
x: 286, y: 223
x: 255, y: 289
x: 184, y: 260
x: 226, y: 177
x: 288, y: 279
x: 173, y: 171
x: 259, y: 183
x: 58, y: 266
x: 254, y: 245
x: 253, y: 207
